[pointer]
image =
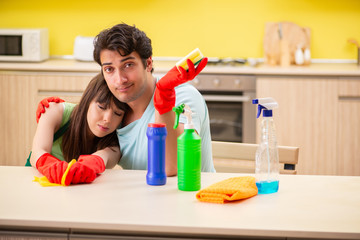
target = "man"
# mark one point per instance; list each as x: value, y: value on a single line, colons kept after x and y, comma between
x: 125, y: 55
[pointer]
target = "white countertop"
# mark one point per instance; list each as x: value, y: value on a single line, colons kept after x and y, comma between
x: 315, y: 69
x: 120, y: 201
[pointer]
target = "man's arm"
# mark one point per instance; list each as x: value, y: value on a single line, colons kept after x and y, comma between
x: 164, y: 101
x: 171, y: 140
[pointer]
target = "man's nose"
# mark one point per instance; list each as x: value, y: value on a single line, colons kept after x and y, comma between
x: 121, y: 77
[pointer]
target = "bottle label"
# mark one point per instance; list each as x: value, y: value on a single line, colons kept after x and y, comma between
x: 156, y: 155
x: 189, y: 165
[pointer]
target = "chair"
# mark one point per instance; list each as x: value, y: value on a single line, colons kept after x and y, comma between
x: 240, y: 157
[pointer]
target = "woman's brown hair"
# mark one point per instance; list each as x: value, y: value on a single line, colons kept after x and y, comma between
x: 76, y: 140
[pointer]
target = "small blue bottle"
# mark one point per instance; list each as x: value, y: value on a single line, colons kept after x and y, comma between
x: 156, y: 134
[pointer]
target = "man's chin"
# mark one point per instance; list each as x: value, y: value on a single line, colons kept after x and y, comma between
x: 125, y: 98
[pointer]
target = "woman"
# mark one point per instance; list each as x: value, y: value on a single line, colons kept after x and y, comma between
x: 90, y: 136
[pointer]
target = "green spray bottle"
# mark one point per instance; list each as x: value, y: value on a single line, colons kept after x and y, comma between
x: 188, y: 152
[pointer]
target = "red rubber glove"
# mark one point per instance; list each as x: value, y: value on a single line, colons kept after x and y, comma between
x: 85, y: 170
x: 164, y: 96
x: 51, y: 167
x: 45, y: 104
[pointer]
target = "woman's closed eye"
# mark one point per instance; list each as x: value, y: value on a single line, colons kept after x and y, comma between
x: 119, y: 114
x: 101, y: 107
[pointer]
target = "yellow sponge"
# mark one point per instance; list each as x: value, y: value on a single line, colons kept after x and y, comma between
x: 46, y: 183
x: 195, y: 56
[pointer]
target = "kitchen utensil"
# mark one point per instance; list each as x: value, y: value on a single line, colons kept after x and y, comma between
x: 284, y: 48
x: 299, y: 56
x: 291, y: 36
x: 351, y: 40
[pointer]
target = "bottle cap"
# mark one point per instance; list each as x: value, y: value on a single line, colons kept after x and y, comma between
x: 189, y: 126
x: 267, y: 113
x: 265, y: 105
x: 156, y: 125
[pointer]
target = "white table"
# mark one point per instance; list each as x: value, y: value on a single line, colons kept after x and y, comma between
x: 119, y: 202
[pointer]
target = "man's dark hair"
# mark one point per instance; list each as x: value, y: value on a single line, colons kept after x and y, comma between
x: 124, y: 39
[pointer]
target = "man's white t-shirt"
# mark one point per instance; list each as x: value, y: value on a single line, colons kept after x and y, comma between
x: 133, y: 140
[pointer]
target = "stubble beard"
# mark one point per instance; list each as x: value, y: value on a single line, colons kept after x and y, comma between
x: 128, y: 98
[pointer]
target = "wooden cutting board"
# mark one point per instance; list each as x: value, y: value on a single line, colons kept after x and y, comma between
x: 282, y: 51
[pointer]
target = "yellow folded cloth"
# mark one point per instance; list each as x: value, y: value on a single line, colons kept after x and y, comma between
x: 231, y: 189
x: 45, y: 182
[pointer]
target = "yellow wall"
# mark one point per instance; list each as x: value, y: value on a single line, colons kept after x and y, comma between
x: 221, y: 28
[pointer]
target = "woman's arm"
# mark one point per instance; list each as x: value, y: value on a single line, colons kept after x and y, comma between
x: 48, y: 124
x: 110, y: 155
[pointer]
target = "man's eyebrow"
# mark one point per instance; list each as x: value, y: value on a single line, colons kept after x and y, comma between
x: 125, y: 59
x: 122, y: 60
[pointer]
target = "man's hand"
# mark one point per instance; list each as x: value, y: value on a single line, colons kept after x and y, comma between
x: 45, y: 104
x: 164, y: 97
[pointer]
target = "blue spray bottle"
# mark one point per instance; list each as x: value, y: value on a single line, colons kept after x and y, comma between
x: 267, y: 156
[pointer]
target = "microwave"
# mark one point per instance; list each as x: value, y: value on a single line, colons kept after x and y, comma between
x: 24, y: 45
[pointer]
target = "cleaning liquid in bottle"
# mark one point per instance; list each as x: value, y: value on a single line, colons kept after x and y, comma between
x: 267, y: 156
x: 188, y: 152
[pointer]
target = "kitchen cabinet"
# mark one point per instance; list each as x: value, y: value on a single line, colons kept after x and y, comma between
x: 348, y: 127
x: 32, y: 235
x: 319, y: 114
x: 20, y: 94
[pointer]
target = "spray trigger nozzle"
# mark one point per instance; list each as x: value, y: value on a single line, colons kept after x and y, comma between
x: 178, y: 110
x: 266, y: 104
x: 260, y: 108
x: 183, y: 109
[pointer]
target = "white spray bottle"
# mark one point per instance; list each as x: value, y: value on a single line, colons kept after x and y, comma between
x: 267, y: 156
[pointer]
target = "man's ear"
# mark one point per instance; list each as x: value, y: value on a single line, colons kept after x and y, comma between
x: 149, y: 64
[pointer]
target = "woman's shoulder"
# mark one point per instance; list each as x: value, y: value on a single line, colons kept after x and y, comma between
x: 52, y: 116
x: 55, y: 108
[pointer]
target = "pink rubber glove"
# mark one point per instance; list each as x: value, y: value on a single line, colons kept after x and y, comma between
x: 51, y: 167
x: 164, y: 96
x: 45, y: 104
x: 85, y: 170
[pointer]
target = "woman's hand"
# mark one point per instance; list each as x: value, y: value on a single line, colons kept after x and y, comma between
x: 85, y: 170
